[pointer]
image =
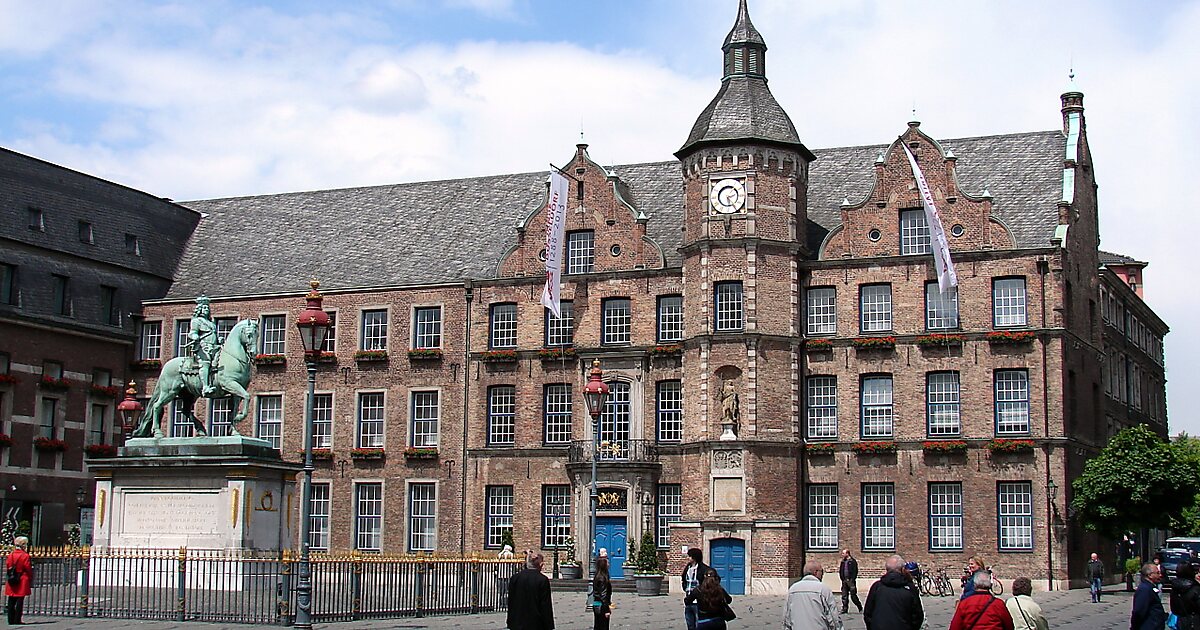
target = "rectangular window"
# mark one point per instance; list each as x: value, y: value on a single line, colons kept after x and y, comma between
x: 368, y: 516
x: 62, y: 294
x: 181, y: 425
x: 330, y: 344
x: 914, y: 232
x: 132, y: 246
x: 822, y: 408
x: 427, y: 327
x: 318, y: 523
x: 503, y: 326
x: 669, y: 411
x: 1015, y: 515
x: 945, y: 516
x: 53, y: 369
x: 85, y: 233
x: 37, y: 220
x: 556, y: 516
x: 183, y: 346
x: 8, y: 284
x: 269, y: 421
x: 272, y: 334
x: 425, y: 418
x: 941, y: 309
x: 220, y: 417
x: 617, y: 321
x: 728, y: 306
x: 876, y: 407
x: 557, y: 413
x: 1008, y: 302
x: 614, y: 422
x: 150, y: 346
x: 422, y: 517
x: 374, y: 329
x: 875, y: 306
x: 820, y: 305
x: 823, y: 516
x: 370, y: 420
x: 224, y: 327
x: 322, y: 415
x: 942, y: 404
x: 502, y: 415
x: 1012, y: 402
x: 879, y: 516
x: 49, y: 424
x: 560, y: 330
x: 110, y: 310
x: 98, y: 433
x: 581, y: 252
x: 670, y: 318
x: 669, y: 510
x: 498, y: 516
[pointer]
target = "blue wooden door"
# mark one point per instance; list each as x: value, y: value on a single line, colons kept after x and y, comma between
x: 611, y: 534
x: 728, y: 557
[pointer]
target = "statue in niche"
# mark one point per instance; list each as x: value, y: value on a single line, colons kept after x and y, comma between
x: 730, y: 411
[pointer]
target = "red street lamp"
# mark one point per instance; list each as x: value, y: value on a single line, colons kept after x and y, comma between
x: 130, y: 409
x: 313, y: 323
x: 594, y: 394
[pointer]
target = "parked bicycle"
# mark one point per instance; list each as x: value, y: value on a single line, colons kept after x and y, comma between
x: 997, y: 585
x: 937, y: 584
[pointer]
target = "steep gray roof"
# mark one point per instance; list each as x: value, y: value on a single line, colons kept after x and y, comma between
x: 445, y: 231
x: 1112, y: 258
x: 743, y: 31
x: 743, y: 109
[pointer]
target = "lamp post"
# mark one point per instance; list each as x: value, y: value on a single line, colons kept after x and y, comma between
x: 314, y: 327
x: 594, y: 394
x: 130, y: 410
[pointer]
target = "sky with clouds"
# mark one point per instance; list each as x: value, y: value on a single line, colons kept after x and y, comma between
x: 194, y: 100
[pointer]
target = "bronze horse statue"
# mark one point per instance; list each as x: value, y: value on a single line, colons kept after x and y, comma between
x: 180, y: 380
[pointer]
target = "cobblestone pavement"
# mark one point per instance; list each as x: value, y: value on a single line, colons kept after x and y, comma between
x: 1064, y: 609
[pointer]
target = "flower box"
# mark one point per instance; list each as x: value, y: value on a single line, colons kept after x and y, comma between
x: 500, y: 356
x: 1005, y: 337
x: 557, y: 353
x: 327, y: 358
x: 819, y: 448
x: 1000, y: 445
x: 420, y: 453
x: 50, y: 446
x: 425, y: 354
x: 100, y: 450
x: 874, y: 448
x: 5, y: 440
x: 54, y: 384
x: 9, y: 379
x: 940, y: 341
x: 147, y: 364
x: 270, y: 359
x: 874, y: 343
x: 371, y: 355
x: 100, y: 391
x: 818, y: 345
x: 367, y: 453
x: 670, y: 350
x: 318, y: 454
x: 945, y: 447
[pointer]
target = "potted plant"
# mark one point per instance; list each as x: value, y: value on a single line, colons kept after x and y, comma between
x: 944, y: 447
x: 569, y: 568
x: 270, y: 359
x: 100, y: 450
x: 47, y: 445
x: 874, y: 343
x: 819, y: 448
x: 54, y: 384
x: 100, y: 391
x: 414, y: 452
x: 818, y: 345
x: 425, y: 354
x: 940, y: 341
x: 669, y: 350
x: 647, y: 573
x: 367, y: 453
x: 147, y: 364
x: 1007, y: 337
x: 874, y: 448
x: 370, y: 355
x: 500, y: 356
x: 557, y: 353
x: 1001, y: 445
x: 8, y: 379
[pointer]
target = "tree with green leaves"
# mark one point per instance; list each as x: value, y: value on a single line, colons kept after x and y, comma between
x: 1189, y: 522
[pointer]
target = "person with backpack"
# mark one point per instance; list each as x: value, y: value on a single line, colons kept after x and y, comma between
x: 18, y: 581
x: 1185, y: 598
x: 981, y: 610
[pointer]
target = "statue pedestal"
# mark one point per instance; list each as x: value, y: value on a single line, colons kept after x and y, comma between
x: 218, y: 493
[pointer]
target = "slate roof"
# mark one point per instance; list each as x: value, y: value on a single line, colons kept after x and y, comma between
x: 1112, y: 258
x: 446, y: 231
x: 743, y: 31
x: 743, y: 108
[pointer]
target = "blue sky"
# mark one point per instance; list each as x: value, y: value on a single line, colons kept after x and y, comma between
x: 206, y: 99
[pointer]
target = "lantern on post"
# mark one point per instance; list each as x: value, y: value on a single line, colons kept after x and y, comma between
x: 595, y: 393
x: 130, y: 409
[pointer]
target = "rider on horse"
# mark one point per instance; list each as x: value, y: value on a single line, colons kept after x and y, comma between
x: 202, y: 337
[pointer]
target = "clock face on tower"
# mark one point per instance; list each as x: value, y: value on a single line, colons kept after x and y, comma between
x: 727, y: 196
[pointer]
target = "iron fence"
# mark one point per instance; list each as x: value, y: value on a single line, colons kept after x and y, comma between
x: 633, y: 451
x: 242, y: 587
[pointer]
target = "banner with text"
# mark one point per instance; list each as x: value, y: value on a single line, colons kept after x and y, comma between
x: 947, y: 279
x: 556, y: 222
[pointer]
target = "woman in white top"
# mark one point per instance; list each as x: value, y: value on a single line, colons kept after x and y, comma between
x: 1026, y: 613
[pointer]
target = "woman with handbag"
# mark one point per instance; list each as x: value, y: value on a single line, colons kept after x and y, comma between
x: 601, y: 594
x: 714, y: 603
x: 18, y: 579
x: 1026, y: 613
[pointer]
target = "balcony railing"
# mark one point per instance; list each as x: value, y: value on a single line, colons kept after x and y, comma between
x: 633, y: 451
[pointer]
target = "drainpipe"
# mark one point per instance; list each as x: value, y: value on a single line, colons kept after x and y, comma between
x: 469, y: 295
x: 1043, y: 267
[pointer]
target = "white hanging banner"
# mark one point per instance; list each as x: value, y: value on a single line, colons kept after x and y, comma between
x: 556, y: 224
x: 947, y: 279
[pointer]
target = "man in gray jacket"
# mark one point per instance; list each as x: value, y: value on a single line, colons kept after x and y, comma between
x: 810, y: 603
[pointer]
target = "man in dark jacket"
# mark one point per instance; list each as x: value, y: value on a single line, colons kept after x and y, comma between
x: 1095, y: 577
x: 529, y: 605
x: 693, y: 573
x: 893, y: 602
x: 1148, y: 613
x: 848, y: 571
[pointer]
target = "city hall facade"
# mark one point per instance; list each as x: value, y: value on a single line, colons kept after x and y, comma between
x: 787, y: 379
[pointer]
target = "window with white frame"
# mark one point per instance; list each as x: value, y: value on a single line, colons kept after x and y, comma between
x: 914, y: 232
x: 220, y: 416
x: 224, y: 327
x: 368, y: 516
x: 1008, y: 302
x: 1015, y: 514
x: 669, y: 509
x: 614, y: 422
x: 556, y: 516
x: 503, y: 330
x: 330, y: 344
x: 49, y: 421
x: 670, y: 318
x: 322, y: 415
x: 427, y: 327
x: 823, y: 516
x: 820, y: 305
x: 728, y: 306
x: 617, y: 321
x: 502, y: 415
x: 875, y: 307
x: 422, y: 517
x: 183, y: 346
x: 876, y: 407
x: 560, y: 330
x: 581, y: 252
x: 318, y: 522
x: 1012, y: 402
x: 945, y: 516
x: 879, y: 516
x: 181, y: 424
x: 941, y: 309
x: 374, y: 329
x: 822, y: 408
x: 669, y: 411
x: 942, y: 404
x: 370, y: 420
x: 426, y: 415
x: 150, y: 346
x: 557, y: 413
x: 498, y: 515
x: 268, y: 423
x: 272, y: 334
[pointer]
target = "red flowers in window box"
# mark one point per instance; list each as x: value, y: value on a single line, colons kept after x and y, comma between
x: 818, y: 345
x: 318, y: 454
x: 104, y: 392
x: 874, y: 448
x: 819, y: 448
x: 425, y: 354
x: 940, y: 341
x: 669, y: 350
x: 944, y: 446
x: 1002, y: 337
x: 54, y: 384
x: 556, y: 353
x: 270, y: 359
x: 874, y: 343
x: 9, y: 379
x: 48, y: 445
x: 327, y: 358
x: 420, y: 453
x: 147, y: 364
x: 500, y: 356
x: 100, y: 450
x: 1000, y: 445
x: 371, y: 355
x: 367, y: 453
x: 5, y: 440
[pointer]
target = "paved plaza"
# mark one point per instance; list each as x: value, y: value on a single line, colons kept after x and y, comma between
x: 1069, y: 610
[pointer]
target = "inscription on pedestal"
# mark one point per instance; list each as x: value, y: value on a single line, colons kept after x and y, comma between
x: 170, y: 513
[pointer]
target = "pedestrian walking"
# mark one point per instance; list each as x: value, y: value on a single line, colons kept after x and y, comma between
x: 693, y: 573
x: 529, y: 605
x: 1185, y: 598
x: 1095, y: 577
x: 18, y: 566
x: 601, y: 595
x: 713, y: 603
x: 981, y: 610
x: 1148, y: 613
x: 811, y: 604
x: 1026, y: 613
x: 893, y: 602
x: 848, y: 572
x: 974, y: 565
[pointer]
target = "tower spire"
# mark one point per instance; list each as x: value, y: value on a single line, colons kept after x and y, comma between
x: 744, y: 47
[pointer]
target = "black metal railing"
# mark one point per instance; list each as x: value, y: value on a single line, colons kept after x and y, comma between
x: 633, y: 451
